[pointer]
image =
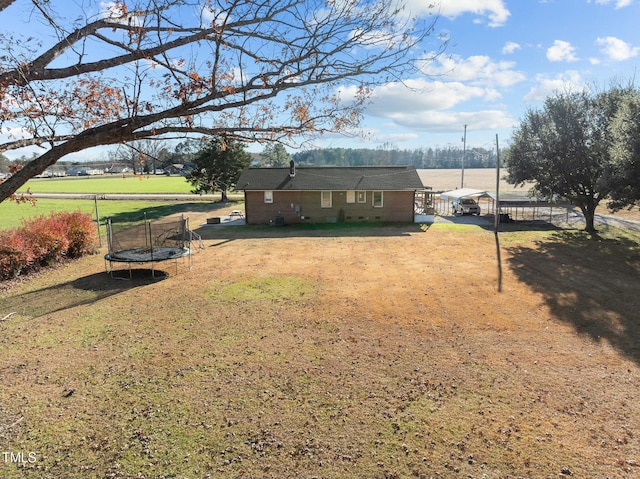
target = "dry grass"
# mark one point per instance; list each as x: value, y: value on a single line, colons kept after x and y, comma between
x: 328, y: 352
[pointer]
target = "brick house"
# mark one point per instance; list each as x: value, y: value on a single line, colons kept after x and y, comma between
x: 329, y: 194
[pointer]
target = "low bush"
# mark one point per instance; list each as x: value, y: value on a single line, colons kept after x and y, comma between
x: 15, y: 255
x: 81, y: 232
x: 44, y: 241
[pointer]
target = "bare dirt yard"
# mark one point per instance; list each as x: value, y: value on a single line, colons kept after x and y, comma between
x: 342, y: 352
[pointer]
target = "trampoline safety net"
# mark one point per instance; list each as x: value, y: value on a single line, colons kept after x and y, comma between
x: 147, y: 241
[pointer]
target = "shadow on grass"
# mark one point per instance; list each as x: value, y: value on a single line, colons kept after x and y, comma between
x: 163, y: 210
x: 81, y: 291
x: 224, y: 232
x: 589, y: 282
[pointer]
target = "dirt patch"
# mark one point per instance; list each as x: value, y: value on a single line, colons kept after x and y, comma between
x: 401, y: 351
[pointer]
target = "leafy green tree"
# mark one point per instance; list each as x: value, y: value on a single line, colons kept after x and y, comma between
x: 564, y: 148
x: 186, y: 150
x: 624, y: 176
x: 275, y: 155
x: 218, y: 166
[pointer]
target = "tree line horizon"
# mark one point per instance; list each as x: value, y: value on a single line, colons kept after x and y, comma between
x: 420, y: 158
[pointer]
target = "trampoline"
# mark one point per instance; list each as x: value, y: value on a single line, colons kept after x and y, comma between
x: 147, y: 242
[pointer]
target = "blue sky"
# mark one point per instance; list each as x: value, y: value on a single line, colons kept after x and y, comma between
x: 504, y: 56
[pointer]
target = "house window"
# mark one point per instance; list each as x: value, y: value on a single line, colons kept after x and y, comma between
x: 325, y: 199
x: 268, y: 196
x: 351, y: 196
x: 362, y: 196
x: 378, y: 199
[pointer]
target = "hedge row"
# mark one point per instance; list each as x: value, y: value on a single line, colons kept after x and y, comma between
x: 45, y: 240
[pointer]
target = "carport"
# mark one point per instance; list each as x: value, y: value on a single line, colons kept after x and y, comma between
x: 446, y: 197
x: 521, y: 207
x: 512, y: 207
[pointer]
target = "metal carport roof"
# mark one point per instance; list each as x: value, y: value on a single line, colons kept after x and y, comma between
x: 462, y: 192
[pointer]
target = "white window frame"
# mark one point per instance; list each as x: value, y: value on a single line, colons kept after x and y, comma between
x: 362, y: 196
x: 351, y: 196
x: 373, y: 199
x: 323, y: 199
x: 268, y: 196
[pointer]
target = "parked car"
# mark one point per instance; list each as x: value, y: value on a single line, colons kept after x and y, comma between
x: 465, y: 206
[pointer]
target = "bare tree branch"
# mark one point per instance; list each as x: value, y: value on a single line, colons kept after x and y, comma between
x: 251, y: 70
x: 5, y: 3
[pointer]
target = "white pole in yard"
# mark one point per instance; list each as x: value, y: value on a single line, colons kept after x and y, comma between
x: 497, y: 215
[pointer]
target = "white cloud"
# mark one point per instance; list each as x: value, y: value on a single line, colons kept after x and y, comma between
x: 394, y: 137
x: 561, y: 51
x: 377, y: 38
x: 447, y: 121
x: 616, y: 49
x: 548, y: 86
x: 422, y: 105
x: 477, y: 69
x: 212, y: 16
x: 116, y: 12
x: 10, y: 133
x: 618, y: 3
x: 495, y: 10
x: 111, y: 9
x: 430, y: 104
x: 510, y: 47
x: 395, y: 99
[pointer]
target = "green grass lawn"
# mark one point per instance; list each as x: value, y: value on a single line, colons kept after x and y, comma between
x: 12, y: 215
x: 110, y: 185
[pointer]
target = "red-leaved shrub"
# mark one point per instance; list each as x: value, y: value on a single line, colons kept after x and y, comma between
x: 46, y: 236
x: 81, y: 232
x: 45, y: 240
x: 15, y: 255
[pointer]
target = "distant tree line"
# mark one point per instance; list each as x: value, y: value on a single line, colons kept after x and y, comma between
x: 431, y: 158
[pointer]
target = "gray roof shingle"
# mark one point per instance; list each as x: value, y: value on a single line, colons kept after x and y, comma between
x: 331, y: 178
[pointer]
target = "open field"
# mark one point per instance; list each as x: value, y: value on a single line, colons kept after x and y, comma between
x: 328, y: 351
x: 477, y: 178
x: 143, y: 184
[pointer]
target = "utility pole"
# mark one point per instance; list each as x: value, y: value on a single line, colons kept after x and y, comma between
x: 464, y: 153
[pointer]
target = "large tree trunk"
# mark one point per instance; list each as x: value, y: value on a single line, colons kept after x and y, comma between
x: 589, y: 218
x: 31, y: 169
x: 588, y: 208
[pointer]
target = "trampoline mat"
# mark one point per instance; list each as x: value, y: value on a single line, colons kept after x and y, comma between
x: 147, y: 255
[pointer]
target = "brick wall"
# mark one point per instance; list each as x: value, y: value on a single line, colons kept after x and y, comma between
x: 293, y: 206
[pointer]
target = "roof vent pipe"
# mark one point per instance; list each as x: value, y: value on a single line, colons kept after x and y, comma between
x: 292, y: 169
